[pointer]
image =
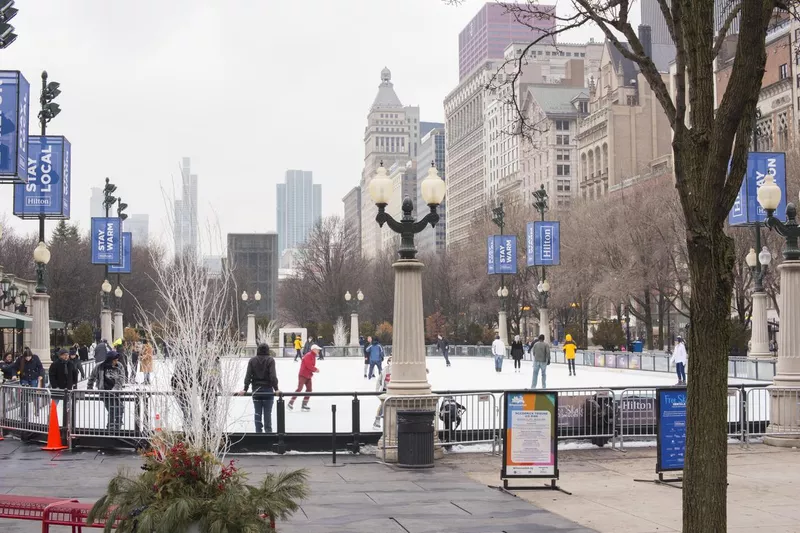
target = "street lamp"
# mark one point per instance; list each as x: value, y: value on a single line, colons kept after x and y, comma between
x: 353, y: 303
x: 106, y: 289
x: 41, y: 256
x: 23, y: 299
x: 118, y: 295
x: 540, y: 203
x: 250, y: 344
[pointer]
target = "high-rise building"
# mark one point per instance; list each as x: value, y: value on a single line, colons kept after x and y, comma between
x: 352, y: 213
x: 186, y: 223
x: 299, y: 208
x: 722, y: 9
x: 392, y: 136
x: 139, y: 227
x: 662, y: 48
x: 254, y: 259
x: 496, y: 26
x: 96, y: 208
x: 431, y: 150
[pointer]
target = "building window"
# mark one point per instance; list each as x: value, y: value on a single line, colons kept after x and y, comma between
x: 562, y: 170
x: 798, y: 81
x: 562, y: 125
x: 783, y: 71
x: 562, y: 140
x: 562, y: 155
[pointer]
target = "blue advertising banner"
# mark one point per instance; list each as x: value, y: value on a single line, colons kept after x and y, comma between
x: 46, y: 192
x: 544, y: 243
x: 746, y: 209
x: 125, y: 266
x: 106, y: 245
x: 491, y: 267
x: 671, y: 428
x: 14, y: 115
x: 502, y: 254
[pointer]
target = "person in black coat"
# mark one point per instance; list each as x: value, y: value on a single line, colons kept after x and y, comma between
x: 517, y: 352
x: 77, y: 364
x: 264, y: 379
x: 7, y: 367
x: 83, y: 352
x: 63, y: 374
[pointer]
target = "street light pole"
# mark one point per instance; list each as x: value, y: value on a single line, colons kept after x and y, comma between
x: 353, y: 304
x: 759, y: 334
x: 499, y: 218
x: 250, y: 343
x: 105, y: 313
x: 540, y: 204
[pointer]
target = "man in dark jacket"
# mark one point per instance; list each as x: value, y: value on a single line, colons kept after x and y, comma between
x: 83, y: 352
x: 63, y: 374
x: 443, y: 346
x: 262, y: 375
x: 100, y: 352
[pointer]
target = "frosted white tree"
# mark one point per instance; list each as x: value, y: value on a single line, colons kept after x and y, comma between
x: 340, y: 333
x: 268, y: 335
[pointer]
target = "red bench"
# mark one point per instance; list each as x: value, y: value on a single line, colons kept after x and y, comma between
x: 70, y: 514
x: 26, y: 507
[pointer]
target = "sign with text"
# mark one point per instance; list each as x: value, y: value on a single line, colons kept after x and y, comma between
x: 106, y: 245
x: 746, y: 209
x: 501, y: 254
x: 125, y: 266
x: 14, y: 116
x: 670, y: 429
x: 544, y: 243
x: 530, y: 435
x: 46, y: 191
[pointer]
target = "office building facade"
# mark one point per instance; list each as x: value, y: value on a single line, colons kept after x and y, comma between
x: 254, y: 259
x: 352, y: 213
x: 185, y: 210
x: 299, y: 208
x: 661, y: 46
x: 431, y: 150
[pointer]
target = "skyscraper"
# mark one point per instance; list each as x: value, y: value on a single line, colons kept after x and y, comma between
x: 299, y: 208
x: 139, y: 227
x: 722, y: 9
x: 431, y: 150
x: 352, y: 212
x: 186, y: 224
x: 662, y: 49
x: 496, y: 26
x: 254, y: 258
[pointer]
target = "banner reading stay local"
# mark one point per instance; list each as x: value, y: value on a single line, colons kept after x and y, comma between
x: 14, y: 116
x: 47, y: 190
x: 106, y: 241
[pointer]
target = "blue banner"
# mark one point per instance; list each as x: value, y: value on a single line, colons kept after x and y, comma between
x: 490, y: 255
x: 14, y: 115
x: 106, y: 245
x: 746, y: 209
x: 502, y: 254
x: 671, y: 428
x: 544, y: 243
x: 47, y: 189
x: 125, y: 266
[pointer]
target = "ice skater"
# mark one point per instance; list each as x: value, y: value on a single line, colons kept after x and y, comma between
x: 381, y: 386
x: 679, y: 357
x: 517, y: 351
x: 444, y: 347
x: 375, y: 357
x: 569, y: 353
x: 366, y: 347
x: 308, y: 367
x: 498, y: 352
x: 541, y: 358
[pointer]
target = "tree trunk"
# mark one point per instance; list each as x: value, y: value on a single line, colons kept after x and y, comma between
x: 648, y: 318
x: 661, y: 320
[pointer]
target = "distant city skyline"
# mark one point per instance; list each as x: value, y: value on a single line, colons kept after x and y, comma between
x: 298, y: 204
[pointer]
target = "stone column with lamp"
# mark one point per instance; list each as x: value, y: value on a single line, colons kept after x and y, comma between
x: 785, y: 407
x: 502, y: 320
x: 118, y: 327
x: 250, y: 342
x: 105, y: 313
x: 544, y: 312
x: 40, y: 303
x: 354, y: 303
x: 759, y: 336
x: 409, y: 369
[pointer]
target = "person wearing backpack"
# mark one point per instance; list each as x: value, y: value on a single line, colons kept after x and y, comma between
x: 109, y: 376
x: 262, y: 375
x: 375, y: 357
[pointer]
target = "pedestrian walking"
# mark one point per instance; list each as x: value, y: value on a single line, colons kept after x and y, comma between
x: 76, y: 364
x: 298, y: 348
x: 262, y: 375
x: 443, y: 346
x: 366, y: 346
x: 569, y: 352
x: 680, y: 357
x: 541, y: 358
x: 146, y: 359
x: 110, y: 377
x: 498, y: 352
x: 381, y: 386
x: 308, y: 367
x: 63, y: 374
x: 100, y: 352
x: 375, y: 357
x: 517, y: 352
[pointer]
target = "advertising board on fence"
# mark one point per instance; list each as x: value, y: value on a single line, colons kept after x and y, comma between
x: 106, y: 245
x: 671, y: 429
x: 46, y: 190
x: 125, y: 266
x: 14, y: 117
x: 530, y: 435
x: 501, y: 254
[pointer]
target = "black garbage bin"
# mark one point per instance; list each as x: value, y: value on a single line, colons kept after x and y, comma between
x: 415, y: 434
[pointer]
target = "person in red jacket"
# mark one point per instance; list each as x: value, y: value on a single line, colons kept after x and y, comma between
x: 308, y: 367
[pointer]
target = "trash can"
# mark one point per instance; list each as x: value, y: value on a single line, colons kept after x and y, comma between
x: 415, y: 432
x: 637, y: 346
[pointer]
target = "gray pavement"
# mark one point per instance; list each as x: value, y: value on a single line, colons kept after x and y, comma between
x: 361, y: 496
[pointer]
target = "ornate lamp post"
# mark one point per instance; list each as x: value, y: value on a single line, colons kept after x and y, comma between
x: 354, y: 303
x: 759, y: 339
x: 118, y: 328
x: 502, y: 317
x: 250, y: 344
x: 105, y: 313
x: 544, y: 312
x: 409, y: 374
x: 785, y: 409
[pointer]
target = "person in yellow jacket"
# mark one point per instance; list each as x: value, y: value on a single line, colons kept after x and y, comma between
x: 298, y: 346
x: 569, y: 352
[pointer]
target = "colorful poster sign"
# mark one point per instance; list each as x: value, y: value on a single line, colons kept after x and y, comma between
x: 671, y: 429
x: 544, y: 243
x: 14, y: 117
x: 530, y: 434
x: 125, y: 266
x: 746, y: 209
x: 46, y: 191
x: 106, y: 245
x: 502, y: 254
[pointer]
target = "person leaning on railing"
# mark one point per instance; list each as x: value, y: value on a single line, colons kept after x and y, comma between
x: 7, y: 367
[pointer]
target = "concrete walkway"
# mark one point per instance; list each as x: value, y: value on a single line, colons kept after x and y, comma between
x: 764, y: 483
x: 361, y: 496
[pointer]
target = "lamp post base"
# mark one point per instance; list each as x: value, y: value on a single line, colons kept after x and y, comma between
x: 759, y: 340
x: 118, y: 327
x: 40, y: 326
x: 250, y: 346
x: 105, y: 325
x: 544, y: 323
x: 502, y: 327
x: 354, y: 329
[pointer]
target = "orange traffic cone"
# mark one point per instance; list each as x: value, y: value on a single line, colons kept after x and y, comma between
x: 53, y: 431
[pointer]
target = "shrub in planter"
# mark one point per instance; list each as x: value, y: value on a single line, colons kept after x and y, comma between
x: 182, y: 489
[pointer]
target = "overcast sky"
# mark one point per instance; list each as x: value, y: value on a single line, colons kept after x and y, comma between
x: 246, y: 88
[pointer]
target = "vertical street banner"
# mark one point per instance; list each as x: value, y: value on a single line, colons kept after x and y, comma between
x: 544, y: 243
x: 106, y: 241
x: 670, y: 429
x: 530, y: 435
x: 46, y: 191
x: 14, y: 117
x: 502, y: 254
x: 746, y: 209
x: 125, y: 266
x: 491, y: 267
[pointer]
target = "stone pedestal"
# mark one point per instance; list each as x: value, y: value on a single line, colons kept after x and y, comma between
x: 759, y: 339
x: 502, y: 327
x: 409, y: 369
x: 544, y: 323
x: 250, y: 345
x: 784, y: 404
x: 105, y: 325
x: 40, y: 327
x: 118, y: 327
x: 354, y: 329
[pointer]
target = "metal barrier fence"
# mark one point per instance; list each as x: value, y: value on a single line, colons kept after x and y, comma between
x: 471, y: 418
x: 586, y: 414
x: 25, y: 409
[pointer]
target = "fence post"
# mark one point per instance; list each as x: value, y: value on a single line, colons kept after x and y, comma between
x: 355, y: 447
x: 333, y: 433
x: 743, y: 416
x: 280, y: 446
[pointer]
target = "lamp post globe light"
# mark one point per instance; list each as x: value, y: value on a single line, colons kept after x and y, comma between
x: 41, y: 256
x: 409, y: 372
x: 353, y: 303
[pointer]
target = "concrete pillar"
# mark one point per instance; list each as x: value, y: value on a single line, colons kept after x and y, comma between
x: 118, y: 328
x: 250, y: 345
x: 353, y: 329
x: 759, y: 339
x: 785, y: 404
x: 105, y: 325
x: 544, y: 323
x: 40, y: 328
x: 502, y: 327
x: 409, y: 368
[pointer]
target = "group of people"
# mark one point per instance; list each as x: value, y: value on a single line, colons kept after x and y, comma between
x: 133, y: 357
x: 302, y: 349
x: 540, y: 353
x: 374, y: 354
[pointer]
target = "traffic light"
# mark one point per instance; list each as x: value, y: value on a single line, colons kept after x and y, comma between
x: 7, y: 12
x: 120, y: 208
x: 50, y: 109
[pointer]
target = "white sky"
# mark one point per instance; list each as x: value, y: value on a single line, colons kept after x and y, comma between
x: 246, y: 88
